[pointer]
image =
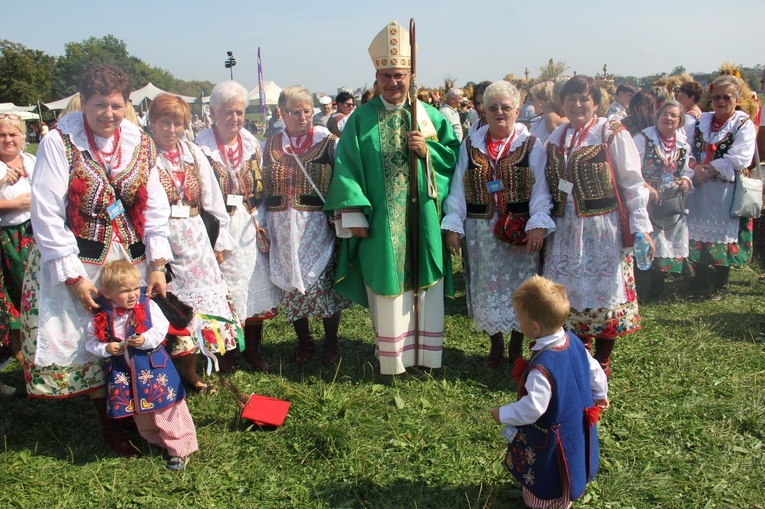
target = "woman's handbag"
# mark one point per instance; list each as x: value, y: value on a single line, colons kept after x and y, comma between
x: 628, y: 239
x: 511, y: 228
x: 669, y: 210
x: 747, y: 194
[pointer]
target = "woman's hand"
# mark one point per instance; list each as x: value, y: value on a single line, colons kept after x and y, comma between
x: 23, y: 202
x: 536, y: 239
x: 359, y: 233
x: 495, y: 415
x: 83, y: 292
x: 684, y: 185
x: 652, y: 248
x: 702, y: 173
x: 417, y: 144
x: 604, y: 404
x: 220, y: 256
x: 13, y: 175
x: 453, y: 242
x: 157, y: 283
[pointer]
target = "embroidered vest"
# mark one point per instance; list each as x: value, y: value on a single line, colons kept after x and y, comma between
x: 92, y: 191
x: 192, y: 189
x: 514, y: 171
x: 140, y: 381
x: 700, y: 146
x: 285, y: 182
x: 654, y: 166
x: 594, y: 193
x: 560, y: 442
x: 248, y: 178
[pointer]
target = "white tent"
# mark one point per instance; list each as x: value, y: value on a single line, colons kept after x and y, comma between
x: 150, y: 92
x: 25, y: 112
x: 272, y: 93
x: 61, y: 104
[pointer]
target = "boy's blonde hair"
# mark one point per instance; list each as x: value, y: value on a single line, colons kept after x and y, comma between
x: 543, y: 301
x: 114, y: 273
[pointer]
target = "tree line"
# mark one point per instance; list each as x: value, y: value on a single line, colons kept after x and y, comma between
x: 30, y: 75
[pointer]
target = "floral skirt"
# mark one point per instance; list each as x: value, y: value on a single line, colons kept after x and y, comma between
x: 320, y: 299
x: 609, y: 322
x: 722, y: 254
x: 15, y: 243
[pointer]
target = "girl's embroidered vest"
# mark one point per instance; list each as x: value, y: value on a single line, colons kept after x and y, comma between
x: 192, y: 189
x: 249, y: 180
x: 147, y: 380
x: 514, y: 171
x: 561, y: 442
x: 92, y: 191
x: 286, y: 184
x: 654, y: 166
x: 594, y: 193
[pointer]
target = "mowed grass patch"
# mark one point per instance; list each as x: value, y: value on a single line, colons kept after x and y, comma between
x: 685, y: 429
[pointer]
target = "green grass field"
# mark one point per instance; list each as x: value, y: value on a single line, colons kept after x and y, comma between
x: 685, y: 429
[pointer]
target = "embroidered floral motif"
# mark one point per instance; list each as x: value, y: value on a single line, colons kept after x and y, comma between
x: 145, y: 376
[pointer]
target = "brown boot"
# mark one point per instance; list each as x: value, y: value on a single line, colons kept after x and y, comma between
x: 114, y: 433
x: 253, y: 337
x: 496, y: 352
x: 331, y: 351
x: 603, y: 349
x: 227, y: 362
x: 305, y: 340
x: 515, y: 347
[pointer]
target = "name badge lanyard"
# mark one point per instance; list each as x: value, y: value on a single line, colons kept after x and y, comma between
x: 180, y: 184
x: 506, y: 143
x: 576, y: 141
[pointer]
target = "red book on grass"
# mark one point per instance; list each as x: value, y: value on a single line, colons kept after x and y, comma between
x: 265, y: 411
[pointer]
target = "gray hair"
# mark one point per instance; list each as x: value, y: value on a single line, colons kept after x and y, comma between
x: 454, y: 92
x: 226, y: 92
x: 294, y: 94
x: 670, y: 103
x: 502, y: 88
x: 728, y: 80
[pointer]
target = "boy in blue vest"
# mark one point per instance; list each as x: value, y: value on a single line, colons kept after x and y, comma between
x: 554, y: 452
x: 141, y: 381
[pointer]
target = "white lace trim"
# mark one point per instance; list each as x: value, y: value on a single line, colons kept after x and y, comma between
x: 541, y: 220
x: 225, y: 241
x: 206, y: 141
x: 66, y: 267
x: 713, y: 231
x: 672, y: 243
x: 158, y: 247
x: 452, y: 223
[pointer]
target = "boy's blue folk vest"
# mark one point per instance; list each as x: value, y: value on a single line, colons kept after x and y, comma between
x: 560, y: 443
x: 139, y: 381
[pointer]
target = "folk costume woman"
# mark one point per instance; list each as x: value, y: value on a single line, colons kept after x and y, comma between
x: 586, y: 252
x: 298, y: 164
x: 665, y: 156
x: 16, y: 168
x: 236, y: 160
x: 190, y: 185
x: 504, y: 155
x: 96, y: 197
x: 723, y: 143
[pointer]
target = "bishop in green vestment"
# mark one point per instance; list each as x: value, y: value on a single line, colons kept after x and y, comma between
x: 369, y: 198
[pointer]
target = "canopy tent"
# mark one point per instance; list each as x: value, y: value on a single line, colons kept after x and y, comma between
x: 61, y: 104
x: 272, y: 93
x: 25, y: 112
x: 150, y: 92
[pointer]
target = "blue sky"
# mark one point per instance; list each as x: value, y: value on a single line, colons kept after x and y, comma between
x: 323, y: 45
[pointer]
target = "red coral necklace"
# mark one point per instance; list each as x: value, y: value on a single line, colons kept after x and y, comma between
x: 101, y: 156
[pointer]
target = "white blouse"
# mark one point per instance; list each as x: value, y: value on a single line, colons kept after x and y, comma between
x: 13, y: 191
x: 740, y: 154
x: 50, y: 186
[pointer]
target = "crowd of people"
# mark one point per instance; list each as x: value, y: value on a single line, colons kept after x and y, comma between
x: 364, y: 205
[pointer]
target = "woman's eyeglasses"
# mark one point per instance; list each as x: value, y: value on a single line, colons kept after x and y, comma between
x: 300, y: 113
x: 506, y: 108
x: 725, y: 98
x: 12, y: 116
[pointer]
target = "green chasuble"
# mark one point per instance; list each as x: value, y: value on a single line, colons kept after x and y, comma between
x: 372, y: 176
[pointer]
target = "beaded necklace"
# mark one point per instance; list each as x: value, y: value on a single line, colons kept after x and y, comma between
x: 106, y: 155
x: 303, y: 142
x: 232, y: 157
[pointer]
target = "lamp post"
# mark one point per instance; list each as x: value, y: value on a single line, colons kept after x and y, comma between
x: 230, y: 63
